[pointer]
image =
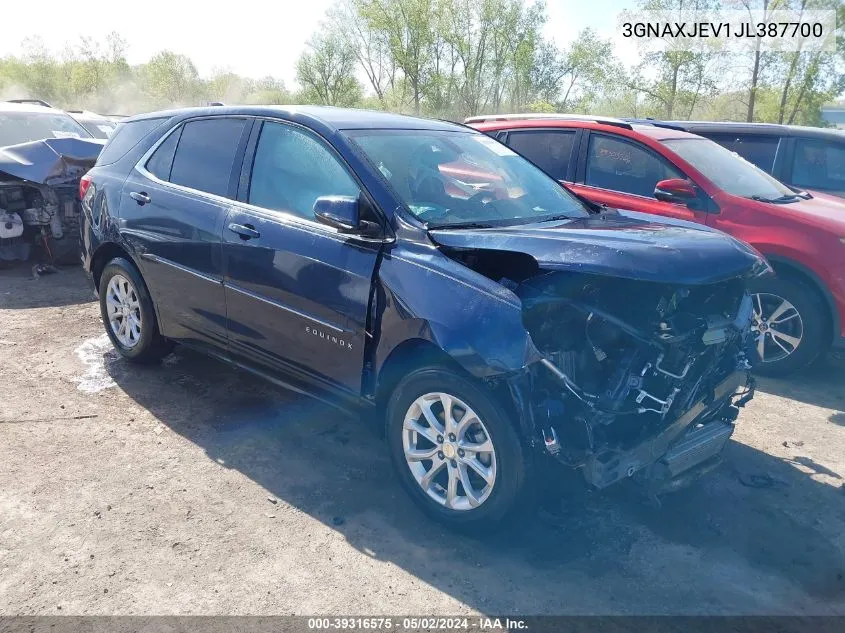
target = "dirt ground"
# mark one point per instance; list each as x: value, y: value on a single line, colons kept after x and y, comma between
x: 192, y: 488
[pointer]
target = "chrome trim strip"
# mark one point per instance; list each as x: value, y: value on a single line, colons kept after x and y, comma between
x: 619, y: 193
x: 282, y: 306
x: 161, y: 260
x: 289, y: 219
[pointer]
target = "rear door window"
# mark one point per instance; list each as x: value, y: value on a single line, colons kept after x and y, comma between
x: 550, y: 150
x: 819, y: 164
x: 625, y: 166
x: 755, y: 148
x: 206, y: 153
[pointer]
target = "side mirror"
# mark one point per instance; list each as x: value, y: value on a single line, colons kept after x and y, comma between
x: 677, y: 190
x: 344, y: 214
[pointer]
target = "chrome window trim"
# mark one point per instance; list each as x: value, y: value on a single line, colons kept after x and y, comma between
x: 620, y: 193
x: 288, y: 219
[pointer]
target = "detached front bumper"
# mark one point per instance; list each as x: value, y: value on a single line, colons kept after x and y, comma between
x: 675, y: 452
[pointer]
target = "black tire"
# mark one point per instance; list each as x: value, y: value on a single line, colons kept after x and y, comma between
x: 815, y: 330
x: 509, y: 488
x: 151, y: 346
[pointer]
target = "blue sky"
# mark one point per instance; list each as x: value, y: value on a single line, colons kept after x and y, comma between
x: 250, y: 37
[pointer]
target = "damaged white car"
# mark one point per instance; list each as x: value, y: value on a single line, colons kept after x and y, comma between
x: 43, y: 154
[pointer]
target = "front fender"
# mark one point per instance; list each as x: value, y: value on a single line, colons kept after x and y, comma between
x: 425, y: 295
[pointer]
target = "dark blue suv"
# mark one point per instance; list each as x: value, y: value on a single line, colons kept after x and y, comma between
x: 424, y: 273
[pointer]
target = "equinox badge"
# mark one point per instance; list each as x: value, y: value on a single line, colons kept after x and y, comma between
x: 329, y: 338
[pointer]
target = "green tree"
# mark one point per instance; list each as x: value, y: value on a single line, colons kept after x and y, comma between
x: 269, y: 90
x: 407, y: 28
x: 170, y: 79
x: 675, y: 80
x: 805, y: 80
x: 369, y: 45
x: 326, y: 71
x: 577, y: 78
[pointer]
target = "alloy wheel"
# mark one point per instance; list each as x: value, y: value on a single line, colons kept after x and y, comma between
x: 124, y: 311
x: 777, y: 325
x: 449, y: 451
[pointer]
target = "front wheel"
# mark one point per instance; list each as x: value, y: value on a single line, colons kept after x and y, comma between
x: 128, y: 314
x: 455, y: 453
x: 789, y: 326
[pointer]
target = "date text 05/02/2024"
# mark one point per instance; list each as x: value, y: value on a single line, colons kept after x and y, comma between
x: 479, y: 623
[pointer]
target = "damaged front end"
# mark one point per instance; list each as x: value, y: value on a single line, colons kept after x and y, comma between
x: 637, y: 377
x: 39, y: 205
x: 643, y: 336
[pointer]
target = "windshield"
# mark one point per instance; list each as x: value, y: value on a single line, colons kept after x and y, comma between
x: 460, y: 178
x: 729, y: 171
x: 23, y: 127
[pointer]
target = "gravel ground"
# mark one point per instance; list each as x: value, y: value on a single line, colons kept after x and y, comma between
x: 192, y: 488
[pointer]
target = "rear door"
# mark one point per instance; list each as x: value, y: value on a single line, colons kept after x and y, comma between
x: 173, y: 207
x: 622, y: 174
x: 297, y: 290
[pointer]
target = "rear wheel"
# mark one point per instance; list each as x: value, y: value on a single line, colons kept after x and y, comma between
x: 128, y: 314
x: 455, y: 453
x: 789, y: 325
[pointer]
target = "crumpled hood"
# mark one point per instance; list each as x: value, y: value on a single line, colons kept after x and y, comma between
x: 625, y: 245
x: 52, y: 161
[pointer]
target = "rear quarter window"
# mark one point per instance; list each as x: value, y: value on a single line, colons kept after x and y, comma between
x: 125, y: 137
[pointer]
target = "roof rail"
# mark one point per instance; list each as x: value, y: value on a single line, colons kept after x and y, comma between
x: 484, y: 118
x: 31, y: 102
x: 658, y: 123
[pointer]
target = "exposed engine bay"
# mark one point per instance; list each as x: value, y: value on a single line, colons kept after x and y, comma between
x: 33, y: 215
x: 39, y: 199
x: 631, y: 370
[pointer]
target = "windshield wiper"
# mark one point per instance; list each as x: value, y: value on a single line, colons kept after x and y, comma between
x: 461, y: 225
x: 556, y: 218
x: 791, y: 197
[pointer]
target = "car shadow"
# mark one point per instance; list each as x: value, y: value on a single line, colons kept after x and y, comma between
x: 758, y: 518
x: 65, y: 286
x: 821, y: 384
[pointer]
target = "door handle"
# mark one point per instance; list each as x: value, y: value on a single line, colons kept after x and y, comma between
x: 246, y: 231
x: 140, y: 197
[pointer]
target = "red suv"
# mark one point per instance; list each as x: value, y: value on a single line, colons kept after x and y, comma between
x: 648, y: 168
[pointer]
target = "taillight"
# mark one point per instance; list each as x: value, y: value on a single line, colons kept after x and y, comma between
x: 84, y: 183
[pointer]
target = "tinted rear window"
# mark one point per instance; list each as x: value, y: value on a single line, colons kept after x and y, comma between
x: 205, y: 154
x: 550, y: 150
x: 125, y: 137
